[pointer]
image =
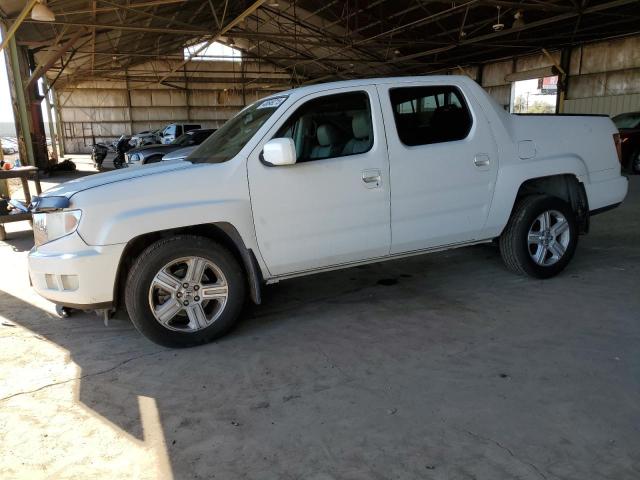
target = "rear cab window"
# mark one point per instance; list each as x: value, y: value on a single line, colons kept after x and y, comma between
x: 425, y: 115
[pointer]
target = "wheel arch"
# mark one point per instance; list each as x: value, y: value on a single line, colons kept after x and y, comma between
x: 567, y: 187
x: 222, y: 232
x: 562, y: 177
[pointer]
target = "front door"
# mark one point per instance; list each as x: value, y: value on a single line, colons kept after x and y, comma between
x: 331, y: 207
x: 443, y: 161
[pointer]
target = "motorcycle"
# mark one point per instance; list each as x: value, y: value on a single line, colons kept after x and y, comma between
x: 122, y: 147
x: 98, y: 154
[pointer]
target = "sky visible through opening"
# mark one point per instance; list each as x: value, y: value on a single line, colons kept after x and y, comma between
x: 6, y: 112
x: 537, y: 95
x: 215, y: 52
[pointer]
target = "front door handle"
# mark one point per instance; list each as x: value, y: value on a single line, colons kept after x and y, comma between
x: 371, y: 178
x: 482, y: 160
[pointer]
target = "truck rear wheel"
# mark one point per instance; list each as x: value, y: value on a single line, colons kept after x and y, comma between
x: 185, y: 291
x: 540, y: 238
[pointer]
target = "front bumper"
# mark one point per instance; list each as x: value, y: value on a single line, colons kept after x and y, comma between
x: 69, y: 272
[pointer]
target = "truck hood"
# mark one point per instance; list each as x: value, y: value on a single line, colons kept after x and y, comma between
x: 68, y: 189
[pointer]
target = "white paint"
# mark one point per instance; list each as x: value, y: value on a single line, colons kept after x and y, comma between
x: 319, y: 215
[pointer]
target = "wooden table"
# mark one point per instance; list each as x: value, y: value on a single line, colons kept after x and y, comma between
x: 23, y: 173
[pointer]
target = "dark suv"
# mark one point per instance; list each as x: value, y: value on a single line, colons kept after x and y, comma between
x: 154, y: 153
x: 629, y: 126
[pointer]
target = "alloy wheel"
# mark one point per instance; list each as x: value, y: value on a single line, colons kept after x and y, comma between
x: 548, y: 238
x: 188, y: 294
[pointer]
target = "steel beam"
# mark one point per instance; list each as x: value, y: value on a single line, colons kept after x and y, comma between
x: 130, y: 28
x: 16, y: 23
x: 43, y: 68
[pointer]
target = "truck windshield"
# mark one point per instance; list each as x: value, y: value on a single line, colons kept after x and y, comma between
x: 229, y: 139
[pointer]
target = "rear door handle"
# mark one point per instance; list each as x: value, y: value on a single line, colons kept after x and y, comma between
x: 371, y: 178
x: 482, y: 161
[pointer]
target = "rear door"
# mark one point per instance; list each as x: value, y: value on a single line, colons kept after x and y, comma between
x: 331, y: 207
x: 443, y: 162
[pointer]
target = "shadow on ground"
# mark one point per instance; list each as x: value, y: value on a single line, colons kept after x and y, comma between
x: 442, y: 366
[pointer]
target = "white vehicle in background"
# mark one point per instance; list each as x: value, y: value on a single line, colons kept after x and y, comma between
x: 320, y: 178
x: 174, y: 130
x: 147, y: 137
x: 9, y: 145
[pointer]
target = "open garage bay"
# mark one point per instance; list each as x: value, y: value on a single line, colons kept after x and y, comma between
x: 442, y: 366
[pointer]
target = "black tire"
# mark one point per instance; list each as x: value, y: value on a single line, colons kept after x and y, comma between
x: 153, y: 259
x: 514, y: 246
x: 634, y: 163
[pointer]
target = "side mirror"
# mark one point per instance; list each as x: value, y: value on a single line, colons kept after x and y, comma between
x: 278, y: 151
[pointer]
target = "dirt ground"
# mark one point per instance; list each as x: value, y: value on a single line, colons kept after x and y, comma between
x: 444, y: 366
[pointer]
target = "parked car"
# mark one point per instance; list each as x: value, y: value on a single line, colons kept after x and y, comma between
x: 147, y: 137
x: 629, y: 126
x: 154, y: 153
x: 180, y: 154
x: 9, y: 146
x: 174, y: 130
x: 320, y: 178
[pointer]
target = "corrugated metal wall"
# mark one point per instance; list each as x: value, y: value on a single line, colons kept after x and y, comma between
x: 210, y: 94
x: 604, y: 77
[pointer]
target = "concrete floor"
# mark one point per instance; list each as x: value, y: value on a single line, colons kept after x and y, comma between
x: 444, y: 366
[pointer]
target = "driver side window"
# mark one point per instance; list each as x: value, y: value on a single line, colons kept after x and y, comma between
x: 331, y: 126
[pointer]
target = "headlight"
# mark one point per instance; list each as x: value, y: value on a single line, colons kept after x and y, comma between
x: 53, y: 225
x: 134, y: 157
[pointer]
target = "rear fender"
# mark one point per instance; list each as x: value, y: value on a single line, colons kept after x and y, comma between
x: 513, y: 175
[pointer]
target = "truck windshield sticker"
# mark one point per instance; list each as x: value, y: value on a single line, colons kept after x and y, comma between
x: 272, y: 102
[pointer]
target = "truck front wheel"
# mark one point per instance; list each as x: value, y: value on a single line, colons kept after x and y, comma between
x: 185, y: 291
x: 540, y: 238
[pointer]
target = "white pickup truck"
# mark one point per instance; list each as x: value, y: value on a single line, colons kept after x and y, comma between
x: 318, y: 178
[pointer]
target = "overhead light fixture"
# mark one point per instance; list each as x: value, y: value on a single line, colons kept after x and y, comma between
x: 42, y: 13
x: 498, y: 25
x: 274, y: 4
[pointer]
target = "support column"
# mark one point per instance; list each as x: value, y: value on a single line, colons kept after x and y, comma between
x: 563, y: 79
x: 4, y: 186
x: 129, y: 112
x: 59, y: 126
x: 52, y: 133
x: 186, y: 93
x: 18, y: 101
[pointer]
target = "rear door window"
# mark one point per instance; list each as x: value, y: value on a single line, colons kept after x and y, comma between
x: 425, y: 115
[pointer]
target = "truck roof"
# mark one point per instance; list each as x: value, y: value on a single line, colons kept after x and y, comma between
x: 319, y: 87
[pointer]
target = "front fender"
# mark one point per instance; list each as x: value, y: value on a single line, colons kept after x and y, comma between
x: 206, y: 193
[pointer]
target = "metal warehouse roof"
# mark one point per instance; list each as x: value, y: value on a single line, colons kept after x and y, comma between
x: 314, y: 40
